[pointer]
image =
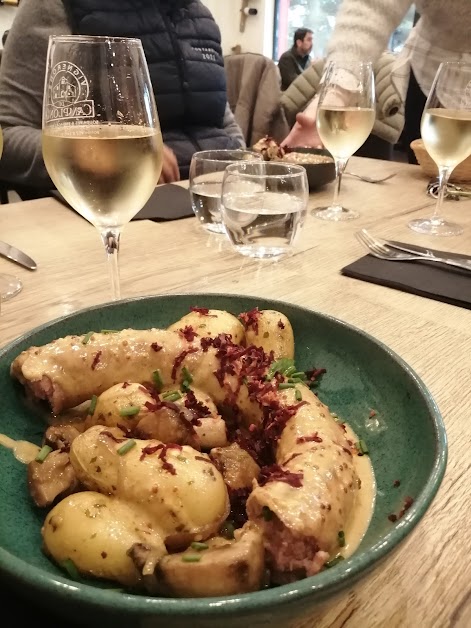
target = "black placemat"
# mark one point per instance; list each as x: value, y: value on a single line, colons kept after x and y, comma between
x: 427, y: 279
x: 167, y: 202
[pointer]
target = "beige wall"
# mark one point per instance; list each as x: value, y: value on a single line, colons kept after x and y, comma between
x: 6, y: 19
x: 258, y: 34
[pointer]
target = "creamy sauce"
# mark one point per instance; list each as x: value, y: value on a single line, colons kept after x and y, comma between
x: 365, y: 498
x: 23, y: 451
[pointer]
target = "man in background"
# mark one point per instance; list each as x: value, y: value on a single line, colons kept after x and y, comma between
x: 295, y: 60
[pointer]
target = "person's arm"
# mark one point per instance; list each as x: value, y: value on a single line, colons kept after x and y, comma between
x: 22, y: 72
x: 288, y: 71
x: 363, y: 28
x: 232, y: 128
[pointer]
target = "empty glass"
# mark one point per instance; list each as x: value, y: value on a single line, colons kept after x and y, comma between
x: 264, y: 206
x: 206, y: 174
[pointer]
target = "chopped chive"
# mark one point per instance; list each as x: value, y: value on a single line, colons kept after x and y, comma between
x: 298, y: 395
x: 341, y: 536
x: 286, y: 386
x: 334, y: 561
x: 227, y: 530
x: 182, y: 458
x: 92, y: 406
x: 289, y: 371
x: 109, y: 331
x: 126, y: 447
x: 362, y: 448
x: 43, y: 453
x: 187, y: 375
x: 295, y: 380
x: 279, y: 366
x: 300, y: 375
x: 267, y: 514
x: 157, y: 379
x: 245, y: 380
x: 173, y: 395
x: 69, y: 566
x: 129, y: 411
x: 199, y: 547
x: 191, y: 558
x: 86, y: 338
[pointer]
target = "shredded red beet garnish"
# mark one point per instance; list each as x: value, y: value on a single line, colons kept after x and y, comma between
x: 314, y: 438
x: 275, y: 473
x: 113, y: 437
x: 396, y: 483
x: 152, y: 449
x: 179, y: 359
x: 392, y: 518
x: 250, y: 319
x: 156, y: 347
x: 188, y: 333
x: 201, y: 310
x: 281, y: 325
x: 96, y: 360
x: 203, y: 459
x: 125, y: 384
x: 372, y: 413
x: 407, y: 504
x: 197, y: 408
x: 314, y: 374
x: 238, y: 499
x: 124, y: 428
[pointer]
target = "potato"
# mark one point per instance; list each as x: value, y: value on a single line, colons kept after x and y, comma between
x: 273, y: 332
x: 212, y: 324
x: 180, y: 491
x: 95, y: 532
x: 117, y: 399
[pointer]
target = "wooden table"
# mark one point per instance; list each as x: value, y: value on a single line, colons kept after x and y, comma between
x: 427, y: 583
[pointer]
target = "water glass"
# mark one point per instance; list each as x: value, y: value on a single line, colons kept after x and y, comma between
x: 264, y: 206
x: 206, y: 174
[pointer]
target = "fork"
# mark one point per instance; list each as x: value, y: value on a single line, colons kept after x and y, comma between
x: 381, y: 249
x: 371, y: 179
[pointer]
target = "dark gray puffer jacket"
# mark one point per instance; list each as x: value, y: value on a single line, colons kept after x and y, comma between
x: 182, y: 44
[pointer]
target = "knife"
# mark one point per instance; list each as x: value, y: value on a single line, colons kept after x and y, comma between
x: 412, y: 248
x: 15, y: 255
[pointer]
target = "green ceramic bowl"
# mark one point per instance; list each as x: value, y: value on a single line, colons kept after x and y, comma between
x: 407, y: 443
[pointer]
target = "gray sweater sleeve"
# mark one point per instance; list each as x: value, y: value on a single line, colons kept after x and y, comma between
x: 22, y: 72
x: 232, y: 128
x: 363, y: 28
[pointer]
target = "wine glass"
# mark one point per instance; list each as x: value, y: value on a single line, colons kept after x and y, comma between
x: 102, y: 143
x: 446, y: 132
x: 9, y: 285
x: 345, y: 117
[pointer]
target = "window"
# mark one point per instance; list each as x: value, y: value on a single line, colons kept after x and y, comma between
x: 319, y: 16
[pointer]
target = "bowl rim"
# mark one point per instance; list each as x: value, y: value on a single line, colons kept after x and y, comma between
x: 320, y: 585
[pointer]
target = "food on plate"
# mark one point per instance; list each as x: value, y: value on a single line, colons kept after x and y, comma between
x: 194, y: 460
x: 272, y: 151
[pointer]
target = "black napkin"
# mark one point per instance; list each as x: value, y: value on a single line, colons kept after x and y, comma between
x: 167, y: 202
x: 427, y: 279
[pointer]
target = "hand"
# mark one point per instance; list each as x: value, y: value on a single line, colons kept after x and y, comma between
x: 170, y: 171
x: 304, y: 131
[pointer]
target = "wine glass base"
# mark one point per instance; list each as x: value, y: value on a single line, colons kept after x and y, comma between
x: 214, y: 227
x: 336, y: 213
x: 9, y: 286
x: 430, y: 226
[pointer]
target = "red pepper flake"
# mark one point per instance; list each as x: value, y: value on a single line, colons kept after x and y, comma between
x: 152, y: 449
x: 156, y: 347
x: 104, y: 554
x: 347, y: 451
x: 392, y: 518
x: 372, y: 413
x: 188, y: 333
x: 281, y: 325
x: 112, y: 436
x: 408, y: 501
x: 274, y: 473
x: 96, y: 359
x: 314, y: 374
x: 397, y: 483
x: 250, y: 319
x: 343, y: 426
x: 125, y: 384
x: 179, y: 359
x: 314, y: 438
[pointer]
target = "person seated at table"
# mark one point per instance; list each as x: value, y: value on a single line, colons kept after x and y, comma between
x: 182, y: 44
x: 295, y: 60
x: 362, y: 30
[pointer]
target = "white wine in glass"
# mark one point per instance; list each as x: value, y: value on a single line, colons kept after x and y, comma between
x: 102, y: 144
x: 9, y: 285
x: 345, y: 117
x: 446, y: 132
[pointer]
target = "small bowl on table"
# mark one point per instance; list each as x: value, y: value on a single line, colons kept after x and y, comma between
x: 318, y: 162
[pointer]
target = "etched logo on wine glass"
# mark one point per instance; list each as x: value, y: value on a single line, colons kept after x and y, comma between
x: 68, y: 92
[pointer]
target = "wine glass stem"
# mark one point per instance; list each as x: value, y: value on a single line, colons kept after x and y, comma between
x: 110, y: 239
x: 339, y: 168
x: 443, y: 176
